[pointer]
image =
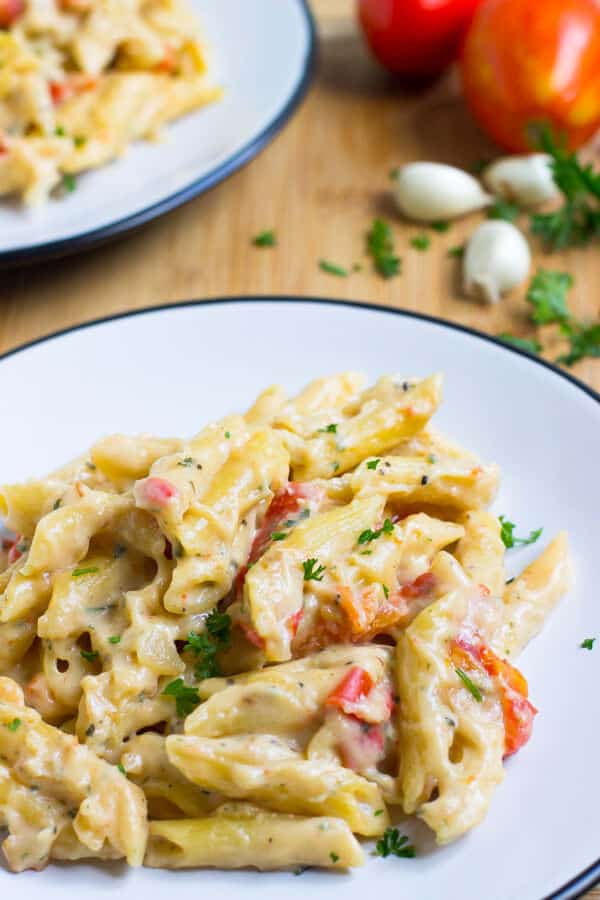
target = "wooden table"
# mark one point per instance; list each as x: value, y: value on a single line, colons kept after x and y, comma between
x: 319, y: 184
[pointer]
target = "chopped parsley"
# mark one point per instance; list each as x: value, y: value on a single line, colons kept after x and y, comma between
x: 333, y: 269
x: 577, y: 221
x: 56, y: 504
x: 373, y: 463
x: 457, y: 252
x: 529, y: 345
x: 501, y: 209
x: 368, y: 535
x: 85, y: 570
x: 584, y: 341
x: 187, y: 461
x: 472, y: 688
x: 440, y: 225
x: 392, y: 843
x: 378, y: 812
x: 278, y: 535
x: 14, y: 724
x: 69, y: 182
x: 265, y: 238
x: 588, y: 644
x: 333, y: 857
x: 59, y: 131
x: 115, y: 639
x: 547, y: 295
x: 121, y: 769
x: 89, y: 655
x: 386, y: 591
x: 508, y: 537
x: 329, y: 429
x: 80, y: 141
x: 312, y: 570
x: 421, y: 242
x: 207, y: 645
x: 380, y: 246
x: 227, y: 434
x: 186, y: 697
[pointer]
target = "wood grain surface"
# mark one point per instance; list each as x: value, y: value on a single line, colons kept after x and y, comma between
x: 319, y: 185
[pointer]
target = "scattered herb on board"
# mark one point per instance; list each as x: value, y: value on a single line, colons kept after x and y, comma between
x: 440, y: 226
x: 421, y: 242
x: 186, y: 697
x: 266, y: 238
x: 577, y: 221
x: 380, y: 247
x: 501, y: 209
x: 333, y: 269
x: 457, y: 252
x: 313, y: 571
x: 472, y: 688
x: 528, y: 344
x: 547, y: 295
x: 392, y: 843
x: 508, y: 537
x: 368, y: 535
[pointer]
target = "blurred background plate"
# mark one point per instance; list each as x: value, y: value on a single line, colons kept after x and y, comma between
x: 171, y: 370
x: 262, y: 53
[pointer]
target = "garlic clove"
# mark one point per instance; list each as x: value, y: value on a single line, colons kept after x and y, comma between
x: 525, y: 180
x: 428, y: 192
x: 497, y: 259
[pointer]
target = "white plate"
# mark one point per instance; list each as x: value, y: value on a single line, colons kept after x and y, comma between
x: 262, y: 54
x: 171, y: 370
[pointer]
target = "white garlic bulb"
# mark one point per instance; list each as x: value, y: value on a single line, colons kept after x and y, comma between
x: 525, y: 180
x: 429, y: 192
x: 497, y: 259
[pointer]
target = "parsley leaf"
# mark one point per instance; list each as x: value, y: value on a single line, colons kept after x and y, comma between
x: 89, y: 655
x: 394, y: 843
x: 14, y: 724
x: 368, y: 535
x: 187, y: 461
x: 115, y: 639
x: 86, y: 570
x: 69, y: 182
x: 501, y: 209
x: 584, y: 341
x: 186, y: 697
x: 329, y: 429
x: 458, y: 252
x: 121, y: 769
x: 333, y: 857
x: 441, y: 225
x: 578, y: 219
x: 332, y: 269
x: 373, y: 463
x: 530, y: 345
x: 278, y: 535
x: 207, y: 645
x: 312, y: 570
x: 265, y: 239
x: 548, y: 296
x: 472, y: 688
x: 380, y: 246
x: 421, y: 242
x: 587, y: 644
x: 508, y: 538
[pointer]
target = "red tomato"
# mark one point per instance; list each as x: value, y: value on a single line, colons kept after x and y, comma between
x: 355, y: 685
x: 526, y: 62
x: 415, y: 37
x: 10, y: 11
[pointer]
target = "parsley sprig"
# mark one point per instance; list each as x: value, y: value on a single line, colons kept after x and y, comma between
x: 588, y: 644
x: 577, y: 221
x: 333, y: 269
x: 380, y: 247
x: 313, y: 571
x: 265, y: 239
x: 470, y: 686
x: 392, y: 843
x: 207, y: 645
x: 510, y: 540
x: 502, y: 209
x: 368, y: 535
x: 186, y: 697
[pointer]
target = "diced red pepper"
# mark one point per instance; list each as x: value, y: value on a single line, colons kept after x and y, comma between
x: 518, y: 712
x: 251, y: 635
x: 10, y: 11
x: 420, y: 586
x: 354, y: 686
x: 169, y: 62
x: 13, y: 551
x: 158, y: 491
x: 294, y: 621
x: 60, y: 91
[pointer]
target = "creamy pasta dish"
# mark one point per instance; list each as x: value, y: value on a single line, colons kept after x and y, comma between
x: 251, y: 648
x: 81, y: 79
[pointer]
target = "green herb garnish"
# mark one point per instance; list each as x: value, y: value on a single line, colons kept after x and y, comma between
x: 380, y: 246
x: 89, y: 655
x: 440, y: 225
x: 121, y: 769
x: 547, y: 295
x: 13, y: 724
x: 278, y: 535
x: 368, y: 535
x: 329, y: 429
x: 508, y: 538
x: 69, y: 182
x: 333, y: 857
x: 392, y: 843
x: 86, y: 570
x: 186, y: 697
x: 458, y: 252
x: 187, y: 461
x: 421, y: 242
x: 333, y: 269
x: 472, y: 688
x: 207, y: 645
x: 587, y: 644
x: 265, y: 239
x: 530, y: 345
x: 115, y: 639
x: 312, y: 570
x: 501, y: 209
x: 373, y: 463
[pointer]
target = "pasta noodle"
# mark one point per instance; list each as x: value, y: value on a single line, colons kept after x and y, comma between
x: 246, y: 648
